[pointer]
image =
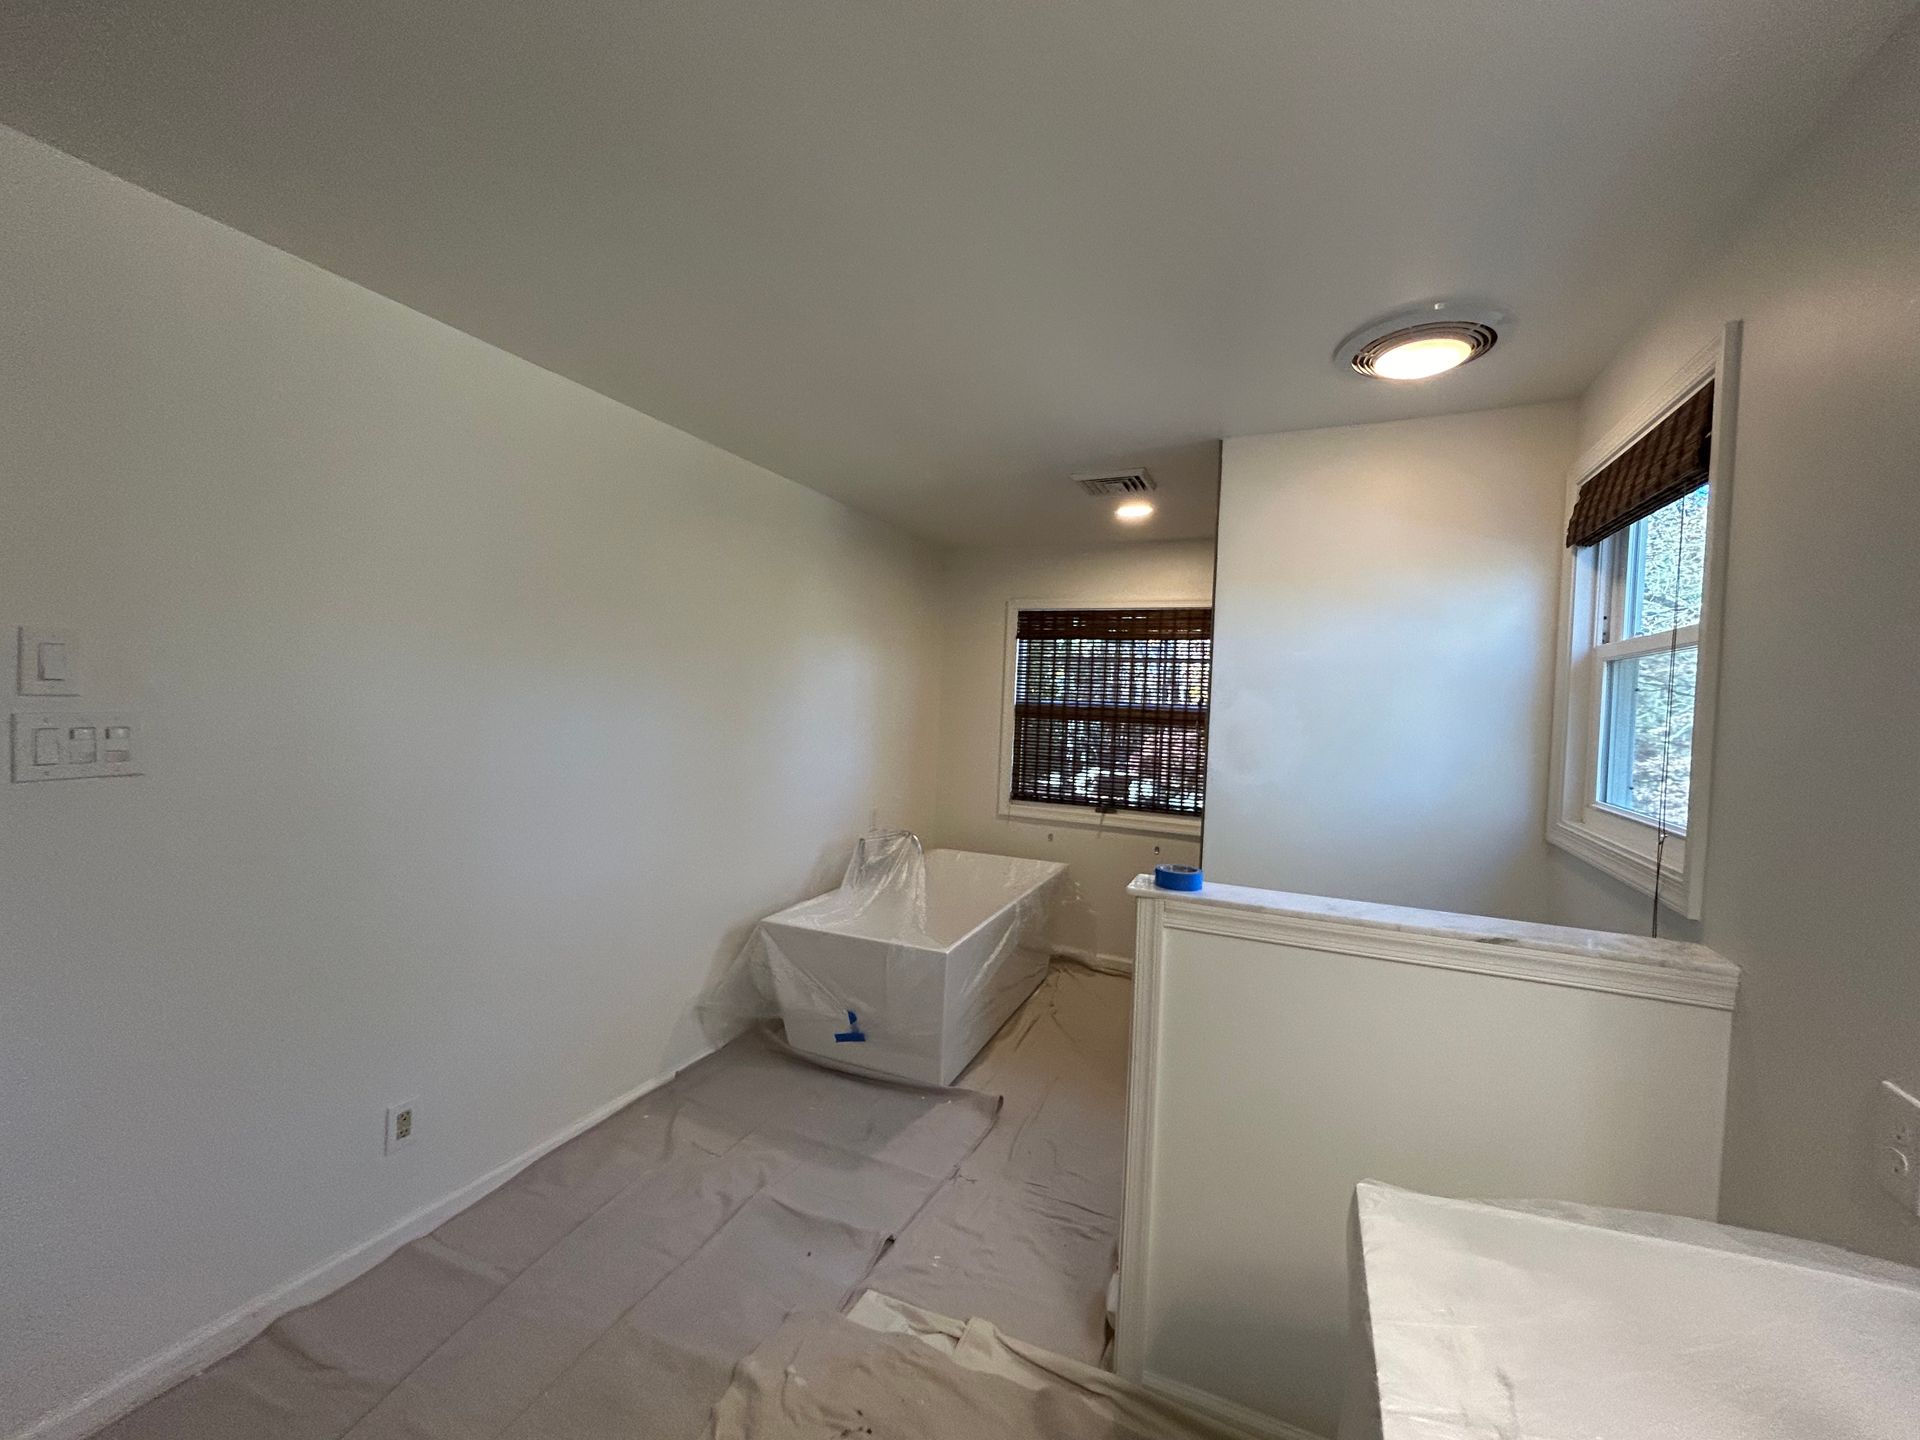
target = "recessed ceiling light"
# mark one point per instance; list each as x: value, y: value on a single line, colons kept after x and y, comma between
x: 1419, y: 344
x: 1132, y: 512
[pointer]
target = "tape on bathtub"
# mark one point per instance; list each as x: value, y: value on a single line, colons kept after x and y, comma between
x: 853, y: 1033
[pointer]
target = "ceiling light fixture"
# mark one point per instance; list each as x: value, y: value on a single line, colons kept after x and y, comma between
x: 1420, y: 343
x: 1132, y: 512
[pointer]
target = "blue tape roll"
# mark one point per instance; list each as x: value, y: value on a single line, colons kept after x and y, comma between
x: 1176, y: 877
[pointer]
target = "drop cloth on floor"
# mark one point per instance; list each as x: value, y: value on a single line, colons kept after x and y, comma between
x: 611, y: 1288
x: 1026, y: 1235
x: 889, y: 1369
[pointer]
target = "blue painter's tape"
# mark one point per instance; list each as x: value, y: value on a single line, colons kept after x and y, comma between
x: 1176, y: 877
x: 852, y: 1033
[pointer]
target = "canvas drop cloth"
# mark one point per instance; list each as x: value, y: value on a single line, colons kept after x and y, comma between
x: 893, y: 1370
x: 1552, y: 1321
x: 610, y: 1289
x: 1027, y: 1234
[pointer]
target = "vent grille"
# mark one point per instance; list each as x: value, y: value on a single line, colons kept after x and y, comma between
x: 1117, y: 482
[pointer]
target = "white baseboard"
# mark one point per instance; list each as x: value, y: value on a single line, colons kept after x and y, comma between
x: 1226, y: 1412
x: 1096, y: 960
x: 193, y: 1353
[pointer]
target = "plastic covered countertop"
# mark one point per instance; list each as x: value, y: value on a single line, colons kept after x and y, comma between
x: 1548, y: 1321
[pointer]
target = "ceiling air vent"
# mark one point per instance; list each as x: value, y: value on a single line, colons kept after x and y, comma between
x: 1107, y: 483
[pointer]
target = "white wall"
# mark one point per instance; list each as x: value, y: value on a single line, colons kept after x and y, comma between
x: 483, y: 714
x: 977, y: 588
x: 1384, y: 660
x: 1816, y: 805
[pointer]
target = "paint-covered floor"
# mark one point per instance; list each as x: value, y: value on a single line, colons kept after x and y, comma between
x: 610, y: 1289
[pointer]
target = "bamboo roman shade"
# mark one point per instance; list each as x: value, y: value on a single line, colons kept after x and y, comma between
x: 1110, y: 708
x: 1667, y: 462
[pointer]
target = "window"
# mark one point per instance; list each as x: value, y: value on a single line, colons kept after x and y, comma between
x: 1648, y: 651
x: 1107, y: 714
x: 1633, y: 706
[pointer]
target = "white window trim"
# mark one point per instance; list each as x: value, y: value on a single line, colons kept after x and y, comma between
x: 1132, y: 822
x: 1614, y: 841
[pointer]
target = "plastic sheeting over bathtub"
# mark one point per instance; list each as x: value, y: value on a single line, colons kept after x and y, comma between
x: 907, y: 969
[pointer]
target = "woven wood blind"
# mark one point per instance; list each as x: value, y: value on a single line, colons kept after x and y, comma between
x: 1110, y: 708
x: 1667, y: 462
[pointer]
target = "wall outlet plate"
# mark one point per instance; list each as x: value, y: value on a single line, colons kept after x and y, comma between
x: 1896, y: 1145
x: 49, y: 662
x: 403, y: 1124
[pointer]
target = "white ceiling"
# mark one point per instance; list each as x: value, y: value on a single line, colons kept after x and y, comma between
x: 930, y: 256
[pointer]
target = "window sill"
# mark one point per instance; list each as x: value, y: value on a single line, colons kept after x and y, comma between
x: 1130, y: 822
x: 1621, y: 815
x: 1631, y: 863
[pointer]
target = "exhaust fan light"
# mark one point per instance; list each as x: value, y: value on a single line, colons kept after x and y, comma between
x: 1419, y: 345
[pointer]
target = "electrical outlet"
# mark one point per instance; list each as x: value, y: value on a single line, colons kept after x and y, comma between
x: 403, y: 1123
x: 1896, y: 1145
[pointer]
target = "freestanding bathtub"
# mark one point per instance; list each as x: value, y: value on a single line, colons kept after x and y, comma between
x: 911, y: 990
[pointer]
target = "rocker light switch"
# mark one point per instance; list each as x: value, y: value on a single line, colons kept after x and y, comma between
x: 49, y: 662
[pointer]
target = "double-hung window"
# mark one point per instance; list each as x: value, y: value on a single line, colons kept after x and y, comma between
x: 1106, y: 718
x: 1633, y: 711
x: 1648, y: 656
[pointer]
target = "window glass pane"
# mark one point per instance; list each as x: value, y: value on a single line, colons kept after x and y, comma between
x: 1666, y: 567
x: 1111, y: 765
x: 1646, y: 752
x: 1112, y: 714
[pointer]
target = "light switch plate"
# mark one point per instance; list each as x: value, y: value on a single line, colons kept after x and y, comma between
x: 55, y: 651
x: 1896, y: 1145
x: 32, y: 744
